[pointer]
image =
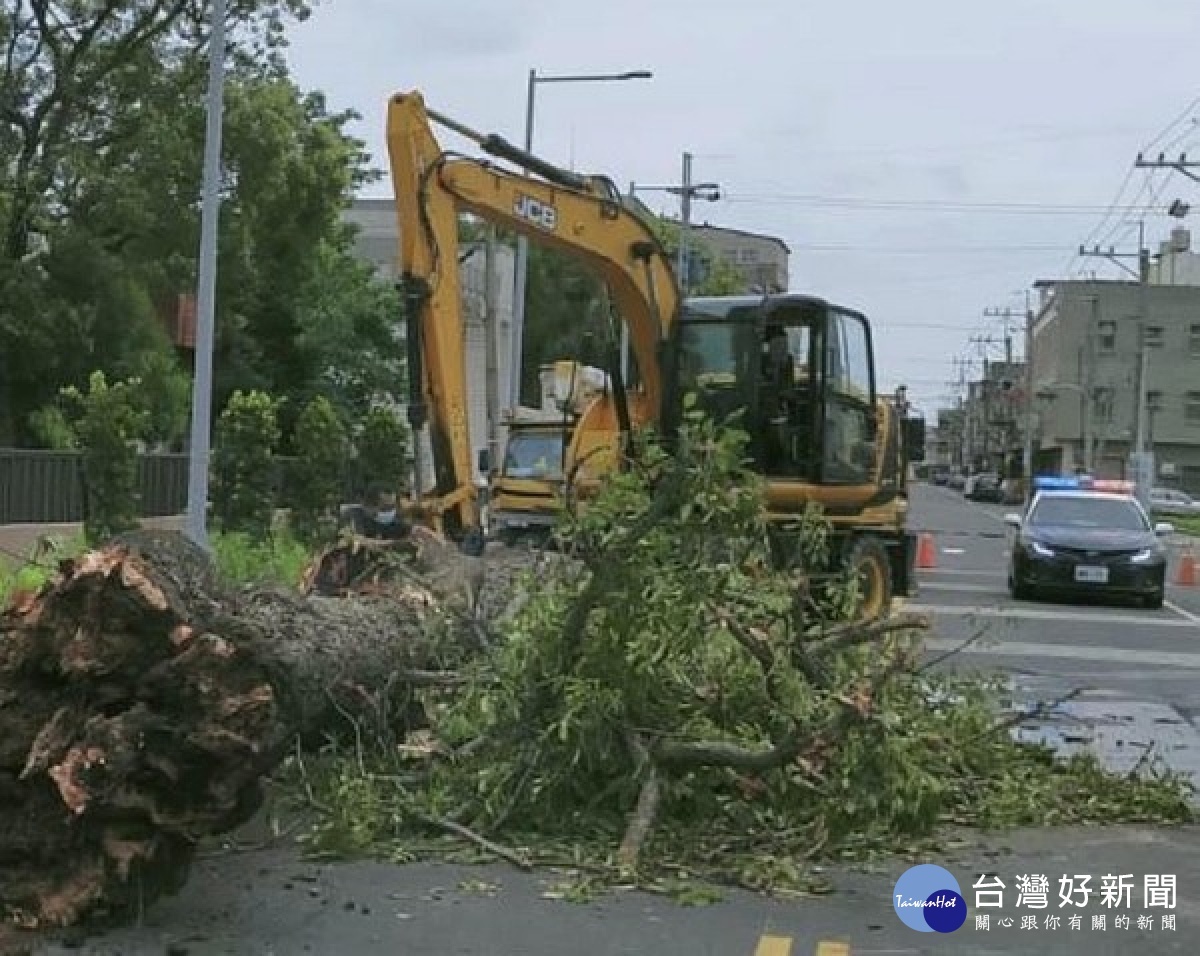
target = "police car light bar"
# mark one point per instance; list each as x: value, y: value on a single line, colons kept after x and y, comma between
x: 1120, y: 487
x: 1082, y: 483
x: 1057, y: 482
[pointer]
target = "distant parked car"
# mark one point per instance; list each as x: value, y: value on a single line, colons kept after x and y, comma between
x: 940, y: 475
x: 957, y: 481
x: 1168, y: 501
x: 984, y: 487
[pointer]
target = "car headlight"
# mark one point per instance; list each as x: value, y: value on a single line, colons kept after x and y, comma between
x: 1041, y: 550
x: 1146, y: 554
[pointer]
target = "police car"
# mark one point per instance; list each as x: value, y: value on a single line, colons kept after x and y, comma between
x: 1087, y: 535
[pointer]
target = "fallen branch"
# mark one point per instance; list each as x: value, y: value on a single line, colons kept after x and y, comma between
x: 480, y: 841
x: 848, y: 635
x: 642, y: 819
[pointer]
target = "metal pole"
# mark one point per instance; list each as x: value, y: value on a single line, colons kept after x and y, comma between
x: 624, y: 326
x: 1030, y: 411
x: 522, y: 270
x: 685, y: 218
x: 197, y: 504
x: 1144, y: 469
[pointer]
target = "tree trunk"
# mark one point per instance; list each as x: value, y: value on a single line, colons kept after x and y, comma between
x: 141, y: 703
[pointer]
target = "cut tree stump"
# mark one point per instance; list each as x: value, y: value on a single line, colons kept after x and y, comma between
x: 142, y: 703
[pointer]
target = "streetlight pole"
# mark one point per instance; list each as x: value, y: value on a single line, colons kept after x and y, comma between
x: 195, y: 525
x: 521, y: 276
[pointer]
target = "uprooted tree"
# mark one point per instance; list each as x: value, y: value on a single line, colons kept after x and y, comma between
x: 142, y: 702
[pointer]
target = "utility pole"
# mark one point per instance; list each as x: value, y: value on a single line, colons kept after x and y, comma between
x: 1180, y: 165
x: 685, y: 218
x: 1030, y: 410
x: 1141, y: 459
x: 1010, y: 319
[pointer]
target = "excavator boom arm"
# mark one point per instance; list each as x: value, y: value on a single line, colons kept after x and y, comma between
x: 580, y: 215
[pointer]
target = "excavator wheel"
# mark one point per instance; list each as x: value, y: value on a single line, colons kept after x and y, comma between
x: 869, y: 559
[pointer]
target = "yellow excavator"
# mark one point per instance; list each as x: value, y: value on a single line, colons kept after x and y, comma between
x: 799, y: 370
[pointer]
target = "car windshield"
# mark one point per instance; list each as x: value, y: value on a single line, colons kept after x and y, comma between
x: 1111, y: 514
x: 534, y: 456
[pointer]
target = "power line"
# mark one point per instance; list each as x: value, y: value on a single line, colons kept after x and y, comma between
x: 923, y: 250
x: 938, y: 205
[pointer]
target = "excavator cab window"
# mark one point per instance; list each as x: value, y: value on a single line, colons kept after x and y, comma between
x: 785, y: 400
x: 848, y: 445
x: 800, y: 373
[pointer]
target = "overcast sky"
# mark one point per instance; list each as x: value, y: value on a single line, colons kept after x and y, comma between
x: 924, y: 160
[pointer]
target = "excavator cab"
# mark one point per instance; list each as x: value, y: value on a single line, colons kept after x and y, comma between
x: 794, y: 372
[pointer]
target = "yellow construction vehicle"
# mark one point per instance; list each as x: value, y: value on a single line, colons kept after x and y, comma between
x: 799, y: 370
x: 527, y: 488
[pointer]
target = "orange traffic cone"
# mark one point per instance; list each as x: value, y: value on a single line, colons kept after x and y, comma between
x: 1185, y: 576
x: 926, y: 552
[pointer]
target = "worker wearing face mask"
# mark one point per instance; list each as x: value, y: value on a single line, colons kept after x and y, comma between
x: 380, y: 518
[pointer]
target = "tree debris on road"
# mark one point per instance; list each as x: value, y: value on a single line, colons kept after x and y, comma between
x: 142, y: 702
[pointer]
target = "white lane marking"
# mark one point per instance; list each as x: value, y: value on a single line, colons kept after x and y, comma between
x: 1114, y: 655
x: 986, y: 610
x: 963, y: 571
x: 954, y: 550
x: 1182, y: 612
x: 1162, y: 674
x: 955, y: 586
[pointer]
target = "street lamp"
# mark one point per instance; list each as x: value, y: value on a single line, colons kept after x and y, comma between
x: 522, y: 264
x: 197, y: 500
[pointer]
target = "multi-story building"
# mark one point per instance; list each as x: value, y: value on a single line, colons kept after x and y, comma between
x: 762, y: 260
x: 947, y: 445
x: 992, y: 419
x: 1087, y: 338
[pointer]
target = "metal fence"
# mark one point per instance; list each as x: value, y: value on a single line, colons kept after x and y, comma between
x: 47, y: 487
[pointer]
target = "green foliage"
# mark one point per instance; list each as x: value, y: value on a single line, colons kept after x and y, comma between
x: 165, y: 395
x: 38, y: 566
x: 383, y: 447
x: 51, y: 429
x: 323, y: 449
x: 566, y: 316
x: 719, y: 277
x: 244, y: 559
x: 677, y: 637
x: 107, y: 422
x: 347, y: 322
x: 243, y: 472
x: 99, y: 228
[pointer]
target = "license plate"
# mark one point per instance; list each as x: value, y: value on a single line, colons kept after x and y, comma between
x: 1091, y: 575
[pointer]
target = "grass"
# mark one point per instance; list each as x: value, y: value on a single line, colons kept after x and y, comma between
x: 240, y: 558
x: 1185, y: 525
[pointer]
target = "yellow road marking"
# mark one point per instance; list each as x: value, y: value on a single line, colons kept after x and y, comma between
x: 826, y: 948
x: 774, y: 946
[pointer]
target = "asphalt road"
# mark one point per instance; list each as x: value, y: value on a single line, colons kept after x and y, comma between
x: 1141, y: 667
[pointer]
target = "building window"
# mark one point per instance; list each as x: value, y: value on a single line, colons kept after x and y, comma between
x: 1154, y: 336
x: 1154, y: 400
x: 1191, y: 408
x: 1194, y: 340
x: 1108, y: 335
x: 1102, y: 406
